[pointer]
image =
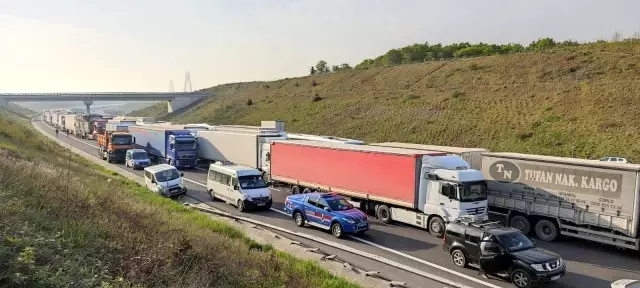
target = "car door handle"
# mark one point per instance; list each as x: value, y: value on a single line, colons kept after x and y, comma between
x: 441, y: 204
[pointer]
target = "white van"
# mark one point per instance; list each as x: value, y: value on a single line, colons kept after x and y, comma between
x: 238, y: 185
x: 164, y: 179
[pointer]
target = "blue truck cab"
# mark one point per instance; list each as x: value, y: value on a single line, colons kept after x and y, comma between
x: 328, y: 211
x: 176, y: 147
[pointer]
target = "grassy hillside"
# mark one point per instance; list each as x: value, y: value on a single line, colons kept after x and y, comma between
x: 531, y: 102
x: 63, y: 224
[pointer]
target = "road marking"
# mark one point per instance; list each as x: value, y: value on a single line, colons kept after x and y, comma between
x: 202, y: 169
x: 276, y: 189
x: 369, y: 242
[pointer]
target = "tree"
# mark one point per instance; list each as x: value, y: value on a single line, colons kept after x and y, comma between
x: 393, y: 57
x: 616, y: 37
x: 322, y: 67
x: 345, y: 66
x: 335, y: 68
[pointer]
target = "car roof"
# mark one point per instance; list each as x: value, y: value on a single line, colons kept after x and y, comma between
x: 326, y: 195
x: 159, y: 167
x: 137, y: 150
x: 491, y: 230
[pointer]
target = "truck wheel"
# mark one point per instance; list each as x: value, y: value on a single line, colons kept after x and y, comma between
x: 436, y: 226
x: 336, y: 230
x: 298, y: 218
x: 241, y: 207
x: 521, y: 223
x: 384, y: 214
x: 295, y: 190
x: 546, y: 230
x: 307, y: 191
x: 213, y: 195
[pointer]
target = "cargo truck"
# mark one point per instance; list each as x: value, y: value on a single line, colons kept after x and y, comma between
x: 552, y: 196
x: 99, y: 126
x: 421, y: 188
x: 69, y: 123
x: 176, y: 147
x: 112, y: 146
x: 119, y: 125
x: 243, y: 147
x: 83, y: 127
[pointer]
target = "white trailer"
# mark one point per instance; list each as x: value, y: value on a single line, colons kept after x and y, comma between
x: 247, y: 148
x: 473, y: 156
x: 551, y: 196
x: 69, y: 123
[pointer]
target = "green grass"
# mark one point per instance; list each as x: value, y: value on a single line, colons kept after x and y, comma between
x: 535, y: 102
x: 63, y: 224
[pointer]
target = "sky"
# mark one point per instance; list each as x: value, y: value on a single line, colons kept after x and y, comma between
x: 141, y: 45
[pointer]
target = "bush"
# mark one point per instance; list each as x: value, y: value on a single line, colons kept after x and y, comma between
x: 249, y: 102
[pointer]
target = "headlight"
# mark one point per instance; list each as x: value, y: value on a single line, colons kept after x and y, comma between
x: 350, y: 221
x: 159, y: 187
x: 537, y: 267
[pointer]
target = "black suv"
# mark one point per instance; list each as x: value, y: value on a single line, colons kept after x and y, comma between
x: 512, y: 252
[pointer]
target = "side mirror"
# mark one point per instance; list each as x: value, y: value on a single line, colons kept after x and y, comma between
x: 181, y: 174
x: 327, y: 209
x: 236, y: 187
x: 533, y: 241
x: 153, y: 181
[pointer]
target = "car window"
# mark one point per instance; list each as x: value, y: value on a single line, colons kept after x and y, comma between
x: 473, y: 236
x: 322, y: 204
x: 313, y: 200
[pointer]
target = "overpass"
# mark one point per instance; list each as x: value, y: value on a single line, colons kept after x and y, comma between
x: 175, y: 100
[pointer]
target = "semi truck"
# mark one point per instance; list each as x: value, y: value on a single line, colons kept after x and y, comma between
x: 69, y: 121
x: 119, y: 125
x: 243, y: 147
x: 176, y: 147
x: 83, y: 126
x: 426, y: 189
x: 552, y: 196
x: 113, y: 146
x: 99, y: 126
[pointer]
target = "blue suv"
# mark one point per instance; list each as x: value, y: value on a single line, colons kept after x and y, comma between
x: 328, y: 211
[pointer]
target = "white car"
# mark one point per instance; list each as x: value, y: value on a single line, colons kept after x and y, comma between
x: 626, y: 283
x: 614, y: 159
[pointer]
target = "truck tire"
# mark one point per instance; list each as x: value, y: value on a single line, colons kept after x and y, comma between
x: 295, y: 190
x: 307, y: 191
x: 521, y: 223
x: 213, y: 195
x: 436, y: 226
x: 384, y: 214
x: 546, y: 230
x: 298, y: 218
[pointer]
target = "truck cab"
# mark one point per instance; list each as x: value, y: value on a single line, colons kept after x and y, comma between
x: 112, y: 146
x: 182, y: 149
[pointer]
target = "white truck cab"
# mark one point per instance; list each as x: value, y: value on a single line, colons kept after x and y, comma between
x: 164, y: 179
x: 237, y: 185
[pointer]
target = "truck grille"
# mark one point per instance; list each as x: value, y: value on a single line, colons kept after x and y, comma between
x: 186, y: 157
x: 476, y: 211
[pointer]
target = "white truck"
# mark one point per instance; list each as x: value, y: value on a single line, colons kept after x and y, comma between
x: 67, y: 122
x: 246, y: 148
x: 552, y: 196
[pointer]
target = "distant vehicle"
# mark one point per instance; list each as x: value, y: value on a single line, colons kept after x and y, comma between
x: 328, y: 211
x: 164, y: 180
x: 238, y: 185
x: 526, y: 264
x: 137, y: 158
x: 615, y: 159
x: 176, y: 147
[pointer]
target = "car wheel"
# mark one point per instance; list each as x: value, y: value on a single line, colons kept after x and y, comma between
x: 213, y: 195
x: 384, y: 214
x: 267, y: 207
x: 336, y: 230
x: 546, y: 230
x: 241, y: 207
x: 521, y: 279
x: 521, y: 223
x: 458, y: 258
x: 298, y: 218
x: 436, y: 226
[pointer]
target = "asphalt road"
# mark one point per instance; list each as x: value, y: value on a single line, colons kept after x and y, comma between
x: 588, y: 264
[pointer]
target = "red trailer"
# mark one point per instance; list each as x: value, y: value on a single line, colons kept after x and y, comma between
x: 389, y: 175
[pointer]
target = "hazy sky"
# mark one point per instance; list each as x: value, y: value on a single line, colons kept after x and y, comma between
x: 140, y: 45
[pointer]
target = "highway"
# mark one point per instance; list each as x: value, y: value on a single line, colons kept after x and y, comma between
x: 588, y: 264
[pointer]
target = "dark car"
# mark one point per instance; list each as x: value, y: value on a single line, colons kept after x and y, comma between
x: 512, y: 252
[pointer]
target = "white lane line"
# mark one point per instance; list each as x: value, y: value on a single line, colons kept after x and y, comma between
x: 425, y: 262
x: 276, y: 189
x: 372, y: 243
x: 201, y: 169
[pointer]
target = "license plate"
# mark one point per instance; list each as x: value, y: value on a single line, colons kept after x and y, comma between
x: 554, y: 278
x: 362, y: 224
x: 261, y: 204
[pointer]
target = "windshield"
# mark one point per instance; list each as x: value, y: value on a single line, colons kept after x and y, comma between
x: 140, y: 155
x: 185, y: 144
x: 470, y: 192
x: 121, y: 140
x: 252, y: 182
x: 339, y: 204
x: 515, y: 241
x: 167, y: 175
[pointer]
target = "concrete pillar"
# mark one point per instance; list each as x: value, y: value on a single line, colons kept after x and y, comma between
x: 180, y: 102
x: 87, y: 102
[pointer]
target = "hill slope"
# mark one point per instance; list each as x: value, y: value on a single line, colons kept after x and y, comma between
x: 537, y: 102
